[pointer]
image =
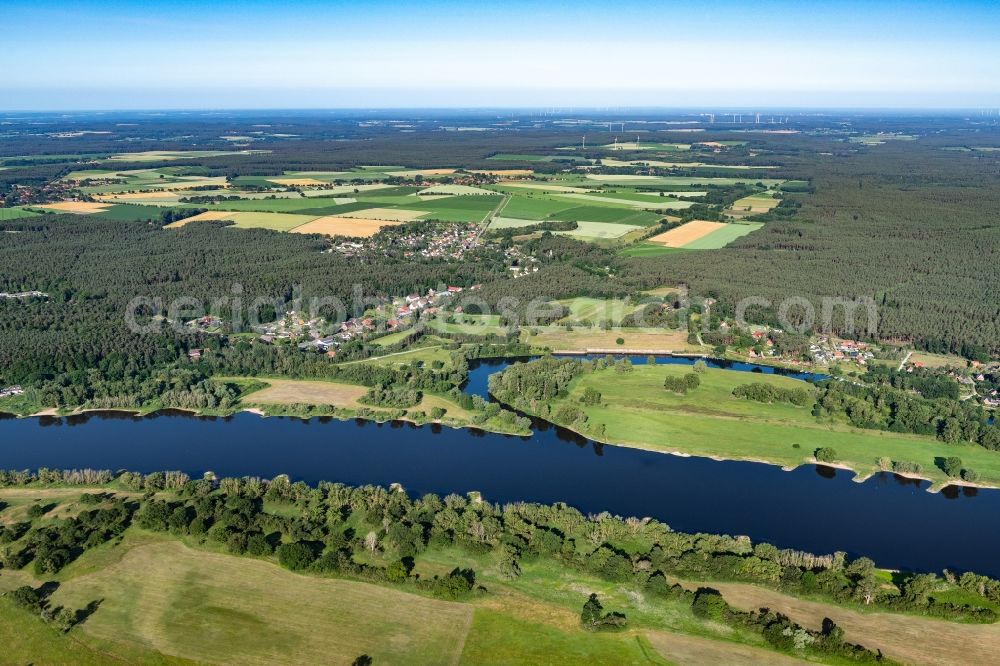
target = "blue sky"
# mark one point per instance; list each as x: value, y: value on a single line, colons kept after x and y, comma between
x: 436, y: 53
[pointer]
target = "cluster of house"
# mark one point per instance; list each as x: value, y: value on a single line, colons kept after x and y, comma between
x: 451, y: 242
x: 11, y: 391
x: 827, y: 350
x: 446, y: 242
x: 292, y: 326
x: 992, y: 399
x: 761, y: 338
x: 206, y: 324
x: 429, y: 303
x: 24, y: 294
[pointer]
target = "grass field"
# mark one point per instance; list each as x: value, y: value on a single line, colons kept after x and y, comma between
x: 215, y: 608
x: 684, y: 181
x: 598, y: 230
x: 637, y: 411
x: 558, y: 338
x: 596, y: 310
x: 664, y: 203
x: 698, y: 651
x: 16, y: 213
x: 647, y: 249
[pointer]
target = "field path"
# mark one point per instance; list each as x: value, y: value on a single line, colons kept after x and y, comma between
x: 492, y: 214
x: 903, y: 362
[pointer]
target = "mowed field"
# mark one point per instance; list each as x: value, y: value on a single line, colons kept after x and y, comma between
x: 557, y: 338
x: 220, y: 609
x: 345, y: 396
x: 291, y: 391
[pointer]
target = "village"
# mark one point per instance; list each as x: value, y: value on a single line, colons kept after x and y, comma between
x: 23, y: 294
x: 447, y: 242
x: 11, y: 391
x: 826, y: 350
x: 318, y: 335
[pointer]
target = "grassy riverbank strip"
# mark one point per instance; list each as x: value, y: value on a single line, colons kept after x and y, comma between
x: 635, y: 410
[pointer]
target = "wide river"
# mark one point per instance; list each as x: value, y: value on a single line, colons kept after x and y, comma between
x: 819, y: 509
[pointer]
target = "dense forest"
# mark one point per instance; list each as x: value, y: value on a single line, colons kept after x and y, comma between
x: 910, y: 225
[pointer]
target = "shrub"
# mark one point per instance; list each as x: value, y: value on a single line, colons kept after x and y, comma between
x: 296, y: 556
x: 826, y: 454
x: 952, y: 466
x: 970, y: 475
x: 907, y: 467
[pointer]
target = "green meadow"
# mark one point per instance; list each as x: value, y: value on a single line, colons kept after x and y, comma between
x: 637, y: 411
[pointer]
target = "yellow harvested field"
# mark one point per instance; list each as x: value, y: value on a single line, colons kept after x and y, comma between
x: 686, y: 233
x: 335, y: 225
x: 297, y: 181
x: 410, y: 173
x: 910, y: 639
x: 289, y: 391
x: 505, y: 173
x: 207, y: 216
x: 78, y: 207
x: 159, y: 194
x: 390, y: 214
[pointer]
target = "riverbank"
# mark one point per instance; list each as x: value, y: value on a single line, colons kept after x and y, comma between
x: 632, y: 409
x: 298, y: 399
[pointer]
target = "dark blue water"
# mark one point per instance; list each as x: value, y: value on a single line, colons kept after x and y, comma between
x: 890, y: 519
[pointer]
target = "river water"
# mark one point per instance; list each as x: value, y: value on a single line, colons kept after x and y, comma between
x: 819, y: 509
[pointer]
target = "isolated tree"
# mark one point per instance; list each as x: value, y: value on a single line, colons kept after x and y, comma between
x: 826, y: 454
x: 371, y: 542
